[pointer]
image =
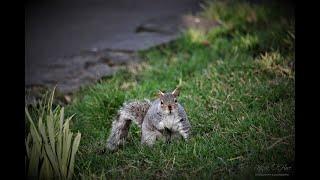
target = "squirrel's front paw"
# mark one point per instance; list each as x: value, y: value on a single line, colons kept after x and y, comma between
x: 111, y: 146
x: 185, y: 133
x: 161, y: 126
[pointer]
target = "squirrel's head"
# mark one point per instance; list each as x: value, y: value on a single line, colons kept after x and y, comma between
x: 168, y: 101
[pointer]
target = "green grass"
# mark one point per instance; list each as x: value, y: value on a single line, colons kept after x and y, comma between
x: 238, y: 92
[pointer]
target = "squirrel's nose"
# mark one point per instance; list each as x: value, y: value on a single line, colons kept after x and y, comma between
x: 170, y: 107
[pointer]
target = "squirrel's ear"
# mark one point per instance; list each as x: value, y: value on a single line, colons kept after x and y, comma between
x: 160, y: 93
x: 176, y: 92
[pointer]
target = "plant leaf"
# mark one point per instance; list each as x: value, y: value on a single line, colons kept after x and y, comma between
x: 51, y: 134
x: 75, y: 147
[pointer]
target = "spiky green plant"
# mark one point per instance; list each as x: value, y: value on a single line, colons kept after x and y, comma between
x: 50, y: 152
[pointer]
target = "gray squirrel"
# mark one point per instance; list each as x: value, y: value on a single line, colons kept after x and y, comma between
x: 163, y: 118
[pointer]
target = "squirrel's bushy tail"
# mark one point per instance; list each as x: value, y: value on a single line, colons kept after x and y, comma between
x: 119, y: 132
x: 133, y: 111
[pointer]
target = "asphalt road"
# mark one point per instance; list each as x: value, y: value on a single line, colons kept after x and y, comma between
x: 57, y: 30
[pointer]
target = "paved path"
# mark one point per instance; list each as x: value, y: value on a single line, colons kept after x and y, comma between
x: 58, y: 35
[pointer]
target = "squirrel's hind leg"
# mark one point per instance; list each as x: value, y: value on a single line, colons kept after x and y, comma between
x: 149, y: 137
x: 119, y: 132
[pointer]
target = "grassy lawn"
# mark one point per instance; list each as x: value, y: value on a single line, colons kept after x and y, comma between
x: 237, y: 86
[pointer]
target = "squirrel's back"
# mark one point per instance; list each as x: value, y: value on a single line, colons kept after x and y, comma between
x: 135, y: 110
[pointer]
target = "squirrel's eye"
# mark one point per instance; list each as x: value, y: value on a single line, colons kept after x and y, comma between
x: 175, y: 100
x: 161, y: 102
